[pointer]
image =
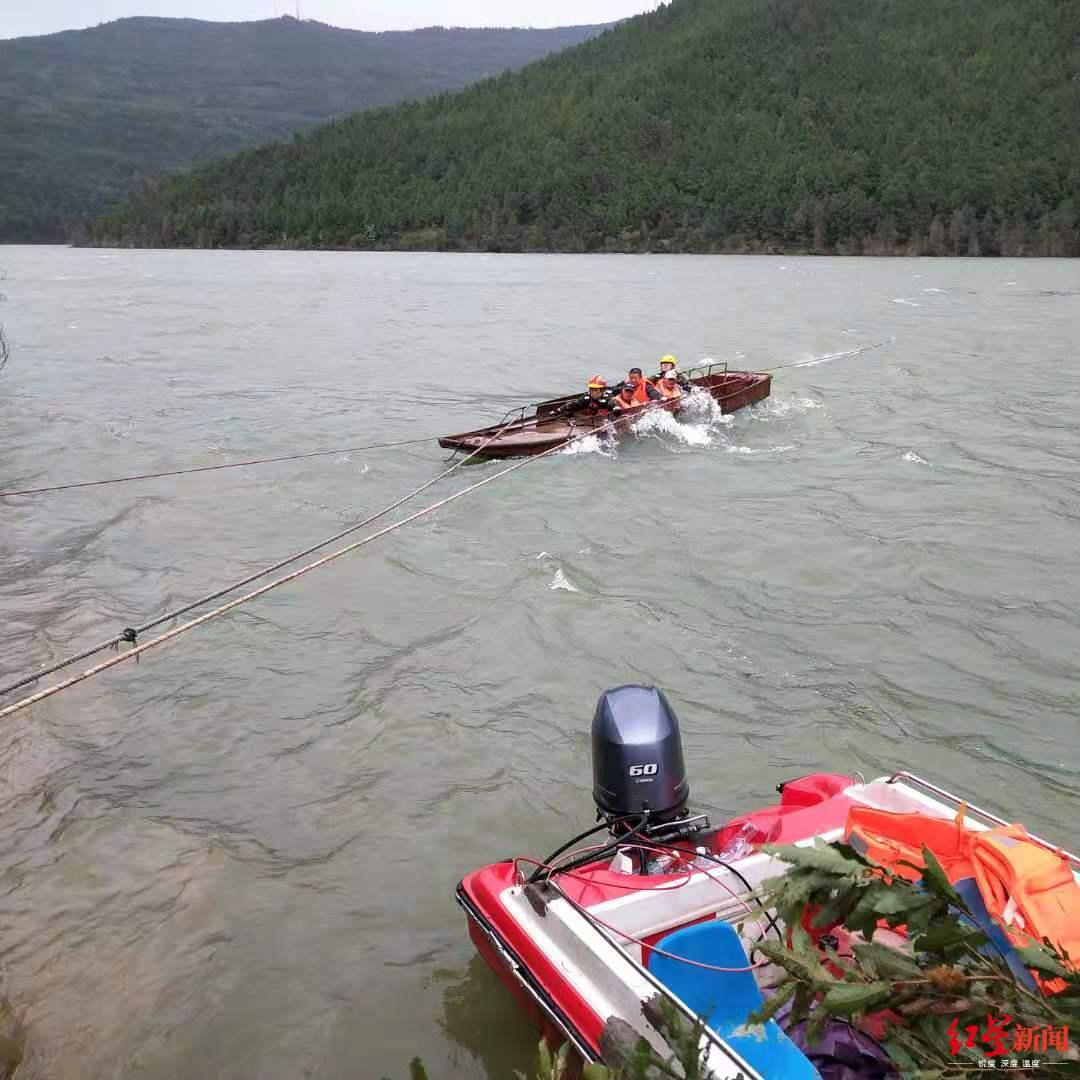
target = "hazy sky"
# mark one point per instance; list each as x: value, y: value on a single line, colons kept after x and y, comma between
x: 19, y: 17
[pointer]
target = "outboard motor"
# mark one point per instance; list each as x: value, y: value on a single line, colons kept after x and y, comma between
x: 637, y: 757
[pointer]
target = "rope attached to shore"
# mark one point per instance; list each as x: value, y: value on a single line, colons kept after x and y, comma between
x: 138, y: 650
x: 130, y: 634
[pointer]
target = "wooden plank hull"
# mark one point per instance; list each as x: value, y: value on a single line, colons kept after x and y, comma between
x: 732, y: 390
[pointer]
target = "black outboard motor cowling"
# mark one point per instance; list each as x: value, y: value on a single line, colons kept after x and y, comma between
x: 637, y: 755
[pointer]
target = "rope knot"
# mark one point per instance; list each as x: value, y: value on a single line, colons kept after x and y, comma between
x: 130, y: 635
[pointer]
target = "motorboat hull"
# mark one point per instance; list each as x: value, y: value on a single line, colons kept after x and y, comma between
x: 570, y: 977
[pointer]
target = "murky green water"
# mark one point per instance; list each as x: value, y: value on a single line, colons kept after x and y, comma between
x: 237, y: 859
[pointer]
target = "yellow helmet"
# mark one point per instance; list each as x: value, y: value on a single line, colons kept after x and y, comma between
x: 668, y: 360
x: 597, y: 383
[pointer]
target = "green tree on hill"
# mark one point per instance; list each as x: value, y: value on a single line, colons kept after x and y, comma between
x: 910, y: 126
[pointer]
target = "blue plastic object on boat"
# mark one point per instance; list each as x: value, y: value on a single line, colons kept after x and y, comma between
x: 724, y: 999
x: 968, y: 888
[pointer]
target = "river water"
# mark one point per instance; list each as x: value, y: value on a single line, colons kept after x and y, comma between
x: 237, y: 859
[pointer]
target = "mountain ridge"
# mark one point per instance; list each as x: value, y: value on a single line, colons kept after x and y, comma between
x: 903, y: 126
x: 86, y: 116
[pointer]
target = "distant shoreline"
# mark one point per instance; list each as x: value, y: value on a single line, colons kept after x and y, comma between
x: 768, y: 251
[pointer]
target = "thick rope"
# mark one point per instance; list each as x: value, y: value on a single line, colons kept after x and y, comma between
x: 131, y: 633
x: 211, y: 468
x: 138, y: 650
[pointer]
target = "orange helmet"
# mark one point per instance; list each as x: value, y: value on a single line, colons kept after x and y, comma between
x: 597, y: 383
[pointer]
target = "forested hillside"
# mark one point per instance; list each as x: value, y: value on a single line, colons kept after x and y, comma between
x: 936, y: 126
x: 87, y: 115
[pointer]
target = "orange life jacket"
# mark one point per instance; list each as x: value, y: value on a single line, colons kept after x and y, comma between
x: 1028, y: 889
x: 641, y: 392
x: 674, y: 392
x: 897, y: 839
x: 623, y: 403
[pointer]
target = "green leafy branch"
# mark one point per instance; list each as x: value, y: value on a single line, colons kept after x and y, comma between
x: 945, y: 977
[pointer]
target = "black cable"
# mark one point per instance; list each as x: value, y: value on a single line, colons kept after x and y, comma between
x: 592, y: 855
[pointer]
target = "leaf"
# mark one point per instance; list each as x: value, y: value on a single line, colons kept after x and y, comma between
x: 773, y: 1005
x: 808, y: 969
x: 847, y: 998
x: 804, y: 1000
x: 417, y: 1070
x: 543, y: 1067
x: 886, y: 962
x: 1042, y: 959
x: 837, y: 908
x: 817, y: 857
x: 893, y: 900
x: 595, y: 1071
x: 948, y: 934
x: 801, y: 885
x: 936, y: 880
x: 560, y: 1069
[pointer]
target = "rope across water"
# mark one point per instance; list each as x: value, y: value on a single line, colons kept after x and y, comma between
x: 131, y: 633
x: 138, y: 650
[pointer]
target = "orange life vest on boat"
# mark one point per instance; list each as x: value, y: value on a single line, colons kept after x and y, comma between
x: 1029, y: 890
x: 623, y: 403
x: 896, y: 839
x: 641, y: 392
x: 674, y: 392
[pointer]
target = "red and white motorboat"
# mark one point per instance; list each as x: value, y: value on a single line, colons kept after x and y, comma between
x: 591, y: 936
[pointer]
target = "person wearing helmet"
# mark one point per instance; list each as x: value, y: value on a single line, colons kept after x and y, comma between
x: 643, y: 391
x: 597, y: 401
x: 669, y: 363
x: 668, y: 385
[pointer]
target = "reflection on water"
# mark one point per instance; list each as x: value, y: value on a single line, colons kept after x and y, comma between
x: 475, y: 1004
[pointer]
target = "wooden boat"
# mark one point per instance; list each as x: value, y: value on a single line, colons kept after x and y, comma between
x: 537, y: 432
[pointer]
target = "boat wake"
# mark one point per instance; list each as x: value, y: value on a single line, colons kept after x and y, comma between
x: 591, y: 444
x: 700, y: 426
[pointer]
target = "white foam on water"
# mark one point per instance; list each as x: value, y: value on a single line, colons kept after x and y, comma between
x: 913, y: 457
x: 591, y: 444
x: 933, y: 290
x: 910, y: 303
x: 544, y: 555
x: 561, y: 581
x: 759, y: 450
x: 781, y: 408
x: 699, y: 424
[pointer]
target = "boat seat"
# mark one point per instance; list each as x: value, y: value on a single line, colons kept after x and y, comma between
x: 724, y: 999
